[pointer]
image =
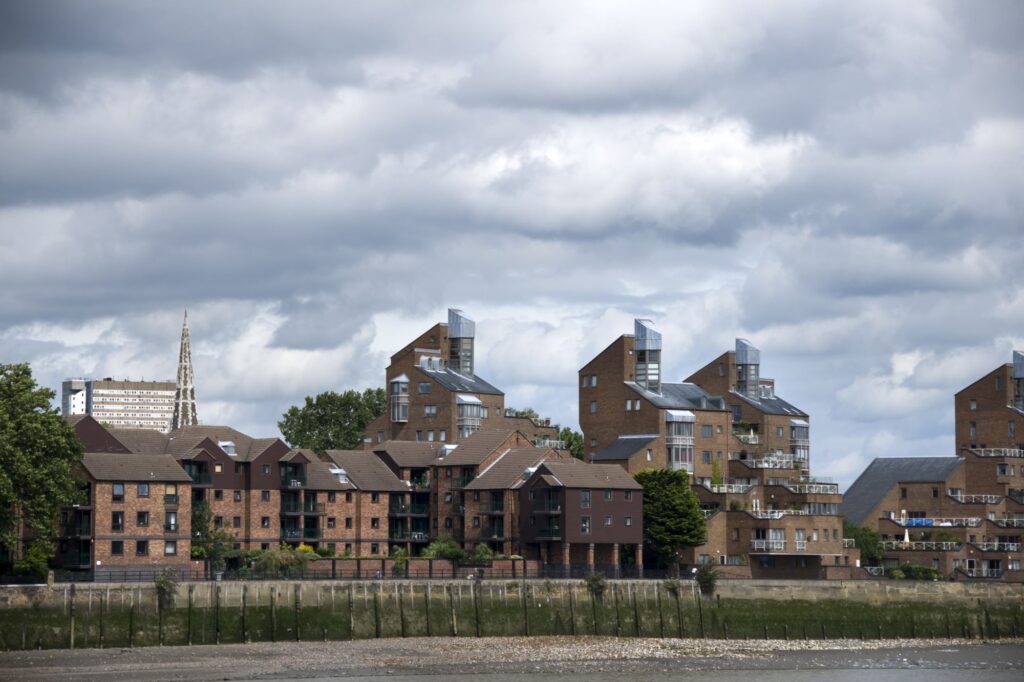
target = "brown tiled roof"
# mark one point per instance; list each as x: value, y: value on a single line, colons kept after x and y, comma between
x: 75, y: 418
x: 507, y: 471
x: 115, y: 466
x: 573, y: 473
x: 319, y: 476
x: 142, y: 441
x: 477, y: 447
x: 367, y: 471
x: 247, y: 448
x: 411, y: 454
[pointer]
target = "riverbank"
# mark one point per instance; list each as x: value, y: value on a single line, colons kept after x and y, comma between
x: 503, y: 658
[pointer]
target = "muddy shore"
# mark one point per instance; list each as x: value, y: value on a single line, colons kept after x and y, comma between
x: 511, y: 656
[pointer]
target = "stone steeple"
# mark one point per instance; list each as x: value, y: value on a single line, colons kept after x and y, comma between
x: 185, y: 395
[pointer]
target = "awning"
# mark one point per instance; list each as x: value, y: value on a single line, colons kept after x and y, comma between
x: 798, y: 422
x: 680, y: 416
x: 466, y: 399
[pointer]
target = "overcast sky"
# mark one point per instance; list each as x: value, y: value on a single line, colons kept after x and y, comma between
x: 840, y: 183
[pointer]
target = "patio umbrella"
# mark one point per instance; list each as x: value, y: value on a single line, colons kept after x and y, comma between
x: 906, y: 535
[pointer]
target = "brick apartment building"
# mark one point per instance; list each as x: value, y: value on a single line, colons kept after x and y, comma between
x: 747, y: 450
x: 435, y: 395
x: 962, y: 515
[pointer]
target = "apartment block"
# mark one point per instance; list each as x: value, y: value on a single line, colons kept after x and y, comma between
x: 435, y: 395
x: 990, y: 412
x: 121, y: 403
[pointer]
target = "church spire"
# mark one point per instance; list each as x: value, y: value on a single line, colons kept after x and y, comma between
x: 185, y: 395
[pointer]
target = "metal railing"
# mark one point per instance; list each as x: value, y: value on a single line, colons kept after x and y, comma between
x: 493, y: 507
x: 800, y: 544
x: 171, y: 527
x: 769, y: 463
x: 420, y: 483
x: 549, y: 533
x: 170, y: 499
x: 849, y: 542
x: 549, y: 443
x: 1008, y: 523
x: 678, y: 441
x: 550, y: 506
x: 921, y: 546
x: 409, y: 536
x: 748, y: 438
x: 417, y: 509
x: 727, y: 487
x: 997, y: 546
x: 813, y: 488
x: 776, y: 513
x: 768, y: 545
x: 950, y: 522
x: 977, y: 499
x: 200, y: 477
x: 300, y: 533
x: 293, y: 481
x: 984, y: 572
x: 462, y: 481
x: 998, y: 452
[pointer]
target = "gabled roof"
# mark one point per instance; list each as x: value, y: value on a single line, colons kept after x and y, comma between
x: 411, y: 454
x: 142, y: 441
x: 681, y: 396
x: 506, y: 472
x: 624, y: 447
x: 115, y: 466
x: 247, y: 448
x: 478, y: 447
x: 884, y: 473
x: 774, y: 405
x: 366, y: 471
x: 577, y: 474
x: 318, y: 473
x: 460, y: 383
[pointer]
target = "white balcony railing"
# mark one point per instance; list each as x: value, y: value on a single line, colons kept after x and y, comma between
x: 768, y: 545
x: 984, y: 572
x: 748, y: 438
x: 944, y: 522
x: 678, y: 441
x: 776, y: 513
x: 977, y: 499
x: 849, y: 542
x: 800, y: 545
x: 728, y: 487
x: 813, y: 488
x: 921, y: 546
x: 998, y: 452
x: 1009, y: 523
x: 998, y: 546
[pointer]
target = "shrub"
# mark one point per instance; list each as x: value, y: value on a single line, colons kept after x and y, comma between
x: 707, y: 578
x: 444, y: 548
x: 482, y: 554
x: 308, y: 549
x: 735, y: 505
x: 672, y: 586
x: 596, y: 584
x: 36, y: 562
x: 401, y: 560
x: 894, y: 573
x: 166, y: 585
x: 324, y: 551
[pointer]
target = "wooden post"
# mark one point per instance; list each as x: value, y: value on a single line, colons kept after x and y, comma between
x: 216, y: 614
x: 71, y: 624
x: 636, y: 613
x: 476, y: 605
x: 131, y: 623
x: 103, y: 608
x: 426, y: 603
x: 191, y: 591
x: 351, y: 616
x: 401, y: 610
x: 376, y: 612
x: 572, y: 608
x: 451, y: 611
x: 679, y: 612
x: 273, y: 614
x: 700, y: 615
x: 298, y: 599
x: 618, y: 622
x: 526, y: 609
x: 661, y: 614
x: 245, y: 633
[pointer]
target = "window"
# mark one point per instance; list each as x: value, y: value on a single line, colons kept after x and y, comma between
x: 430, y: 410
x: 721, y: 369
x: 239, y: 467
x: 375, y: 522
x: 778, y: 432
x: 636, y: 405
x: 476, y: 521
x: 584, y: 381
x: 238, y: 496
x: 609, y: 495
x: 217, y: 468
x: 629, y: 496
x: 419, y: 435
x: 999, y: 383
x: 142, y: 490
x: 117, y: 547
x: 444, y: 436
x: 348, y: 522
x: 236, y: 521
x: 331, y: 497
x: 608, y: 520
x: 903, y: 493
x: 117, y: 492
x: 218, y: 521
x: 448, y: 472
x: 706, y: 456
x: 705, y: 431
x: 593, y: 407
x: 424, y: 387
x: 331, y: 522
x: 375, y: 548
x: 935, y: 492
x: 1004, y: 470
x: 170, y: 547
x: 265, y: 495
x: 266, y: 469
x: 375, y: 497
x: 584, y: 499
x: 348, y: 497
x: 264, y: 522
x: 447, y: 523
x: 974, y: 404
x: 628, y: 520
x: 141, y: 547
x: 648, y: 455
x: 973, y: 432
x: 218, y: 495
x: 1011, y: 429
x: 735, y: 533
x: 380, y: 436
x: 430, y: 436
x: 142, y: 519
x: 585, y: 525
x: 117, y: 522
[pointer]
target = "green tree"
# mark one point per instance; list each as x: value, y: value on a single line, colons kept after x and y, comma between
x: 867, y: 540
x: 38, y: 450
x: 573, y: 441
x: 672, y: 516
x: 526, y: 412
x: 444, y: 548
x: 208, y: 542
x: 716, y: 473
x: 332, y: 421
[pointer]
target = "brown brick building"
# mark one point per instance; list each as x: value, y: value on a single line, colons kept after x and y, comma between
x: 990, y: 412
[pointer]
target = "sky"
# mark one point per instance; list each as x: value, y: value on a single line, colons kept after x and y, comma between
x: 317, y: 182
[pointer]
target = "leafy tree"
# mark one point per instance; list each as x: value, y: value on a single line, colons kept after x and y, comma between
x: 38, y: 449
x: 444, y: 548
x: 672, y: 515
x: 573, y: 441
x: 867, y: 540
x: 526, y: 412
x: 707, y: 578
x: 716, y: 473
x: 332, y: 421
x: 208, y: 542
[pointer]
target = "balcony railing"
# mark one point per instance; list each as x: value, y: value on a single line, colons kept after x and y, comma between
x: 728, y: 487
x: 76, y: 530
x: 493, y: 507
x: 1009, y: 523
x: 813, y: 488
x: 170, y: 499
x: 461, y: 481
x: 547, y: 506
x: 408, y: 536
x: 998, y: 452
x: 977, y: 499
x: 201, y: 477
x: 768, y: 545
x: 772, y: 462
x: 402, y: 509
x: 678, y: 441
x: 293, y: 480
x: 997, y: 546
x: 984, y: 572
x: 171, y: 527
x: 549, y: 533
x: 300, y: 533
x: 776, y: 513
x: 921, y: 546
x: 800, y: 545
x: 549, y: 443
x: 747, y: 438
x: 420, y: 483
x: 849, y: 542
x: 951, y: 522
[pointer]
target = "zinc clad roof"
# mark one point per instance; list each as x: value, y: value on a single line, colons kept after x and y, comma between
x: 477, y: 448
x: 681, y: 396
x: 411, y: 454
x: 367, y: 471
x: 460, y: 383
x: 884, y: 473
x: 115, y: 466
x: 774, y: 405
x: 507, y: 471
x: 576, y: 474
x: 624, y: 447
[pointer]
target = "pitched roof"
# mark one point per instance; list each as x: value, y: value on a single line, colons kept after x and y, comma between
x: 478, y: 447
x: 367, y: 471
x: 886, y: 472
x: 318, y: 473
x: 507, y: 471
x: 576, y: 474
x: 411, y: 454
x: 774, y: 405
x: 116, y: 466
x: 682, y: 396
x: 624, y: 447
x: 142, y: 441
x: 460, y: 383
x: 247, y: 448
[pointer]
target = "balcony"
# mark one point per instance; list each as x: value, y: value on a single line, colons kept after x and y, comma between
x: 768, y: 545
x: 300, y: 533
x: 977, y: 499
x: 736, y: 488
x: 951, y: 522
x: 998, y: 452
x: 997, y: 546
x: 984, y: 572
x: 402, y: 509
x: 77, y: 560
x: 747, y: 437
x: 200, y: 478
x: 776, y: 513
x: 293, y: 481
x: 461, y: 481
x: 899, y: 545
x: 548, y: 443
x: 849, y: 542
x: 547, y: 507
x: 171, y: 528
x: 171, y: 499
x: 771, y: 462
x: 550, y: 533
x: 1009, y: 523
x: 77, y: 530
x: 800, y: 545
x: 674, y: 441
x: 812, y: 488
x: 420, y: 483
x: 408, y: 536
x: 493, y: 507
